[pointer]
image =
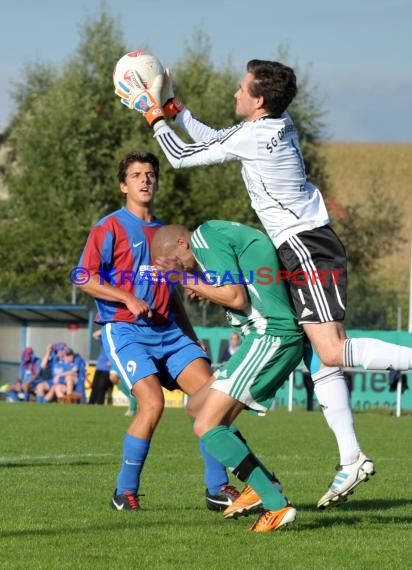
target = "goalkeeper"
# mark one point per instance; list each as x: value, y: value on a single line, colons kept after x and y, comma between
x: 294, y: 215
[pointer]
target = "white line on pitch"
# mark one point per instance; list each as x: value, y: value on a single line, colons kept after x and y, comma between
x: 59, y: 456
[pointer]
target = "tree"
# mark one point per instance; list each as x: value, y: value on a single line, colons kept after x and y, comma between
x: 370, y: 230
x: 67, y: 131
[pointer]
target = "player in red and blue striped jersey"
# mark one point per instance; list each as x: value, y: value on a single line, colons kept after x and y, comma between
x: 117, y: 252
x: 145, y: 331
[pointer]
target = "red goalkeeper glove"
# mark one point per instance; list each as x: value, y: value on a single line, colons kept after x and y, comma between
x: 171, y: 105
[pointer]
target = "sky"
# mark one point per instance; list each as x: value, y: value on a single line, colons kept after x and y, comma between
x: 357, y: 53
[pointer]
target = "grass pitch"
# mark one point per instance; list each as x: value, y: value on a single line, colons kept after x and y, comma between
x: 58, y: 466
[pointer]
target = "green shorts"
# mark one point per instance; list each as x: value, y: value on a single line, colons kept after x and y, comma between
x: 258, y: 368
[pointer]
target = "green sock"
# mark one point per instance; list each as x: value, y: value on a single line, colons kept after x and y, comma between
x: 234, y: 429
x: 225, y: 446
x: 272, y: 499
x: 231, y: 451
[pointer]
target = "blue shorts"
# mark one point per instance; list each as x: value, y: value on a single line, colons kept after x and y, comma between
x: 138, y: 351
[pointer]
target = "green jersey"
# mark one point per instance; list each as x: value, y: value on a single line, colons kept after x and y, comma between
x: 230, y: 253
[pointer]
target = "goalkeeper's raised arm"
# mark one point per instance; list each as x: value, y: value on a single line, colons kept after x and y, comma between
x: 182, y: 155
x: 211, y: 146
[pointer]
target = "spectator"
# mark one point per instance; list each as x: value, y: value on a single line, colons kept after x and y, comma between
x: 234, y: 344
x: 52, y: 359
x: 348, y: 375
x: 101, y: 379
x: 310, y: 389
x: 28, y: 376
x: 64, y: 377
x: 396, y: 376
x: 70, y: 370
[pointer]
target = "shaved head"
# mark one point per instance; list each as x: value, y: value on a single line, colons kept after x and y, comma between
x: 166, y: 240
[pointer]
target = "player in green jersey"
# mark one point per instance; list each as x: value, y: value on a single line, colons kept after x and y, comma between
x: 235, y: 266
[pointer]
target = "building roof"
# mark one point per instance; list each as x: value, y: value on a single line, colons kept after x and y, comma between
x: 46, y: 314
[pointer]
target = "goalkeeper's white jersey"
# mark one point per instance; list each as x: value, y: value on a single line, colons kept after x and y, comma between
x: 272, y: 168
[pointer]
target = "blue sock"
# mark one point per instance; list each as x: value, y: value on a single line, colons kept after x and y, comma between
x: 13, y: 395
x: 135, y: 451
x: 215, y: 472
x: 40, y: 399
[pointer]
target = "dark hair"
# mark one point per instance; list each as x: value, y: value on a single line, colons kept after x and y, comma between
x: 273, y: 81
x: 136, y: 156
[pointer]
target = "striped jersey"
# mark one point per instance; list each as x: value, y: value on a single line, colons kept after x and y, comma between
x: 118, y: 252
x: 230, y: 253
x: 28, y: 369
x: 273, y: 169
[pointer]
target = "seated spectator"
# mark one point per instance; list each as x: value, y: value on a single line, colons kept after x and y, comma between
x: 234, y: 344
x: 70, y: 370
x: 101, y: 379
x: 53, y: 358
x: 29, y: 375
x: 64, y: 377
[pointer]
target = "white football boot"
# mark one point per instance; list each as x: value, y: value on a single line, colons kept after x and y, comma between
x: 347, y: 478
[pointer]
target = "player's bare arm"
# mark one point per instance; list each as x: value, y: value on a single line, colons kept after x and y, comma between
x: 105, y: 291
x: 231, y: 296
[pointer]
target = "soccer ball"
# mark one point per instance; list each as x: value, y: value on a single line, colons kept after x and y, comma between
x: 137, y: 67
